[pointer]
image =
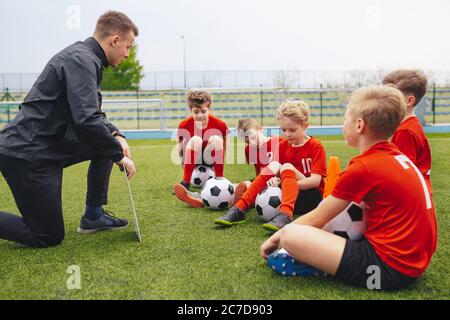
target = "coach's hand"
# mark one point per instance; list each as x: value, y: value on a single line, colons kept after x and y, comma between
x: 128, y: 164
x: 125, y: 147
x: 274, y: 182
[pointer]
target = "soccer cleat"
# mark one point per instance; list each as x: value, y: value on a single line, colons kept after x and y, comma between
x: 184, y: 184
x: 284, y: 264
x: 107, y: 221
x: 191, y: 198
x: 278, y: 222
x: 232, y: 217
x: 239, y: 192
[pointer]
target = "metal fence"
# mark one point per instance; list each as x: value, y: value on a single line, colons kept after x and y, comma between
x: 178, y: 80
x: 161, y: 110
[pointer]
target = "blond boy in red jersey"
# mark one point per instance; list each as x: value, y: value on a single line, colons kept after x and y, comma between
x: 201, y: 140
x: 300, y: 171
x: 409, y: 136
x: 401, y: 234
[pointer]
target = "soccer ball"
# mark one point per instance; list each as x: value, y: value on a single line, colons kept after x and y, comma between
x: 350, y: 223
x: 217, y: 194
x: 268, y: 203
x: 200, y: 175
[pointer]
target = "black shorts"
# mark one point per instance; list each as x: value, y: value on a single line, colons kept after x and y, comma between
x: 307, y: 200
x: 362, y: 267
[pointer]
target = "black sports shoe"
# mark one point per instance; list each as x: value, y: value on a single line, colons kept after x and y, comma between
x: 277, y: 222
x: 233, y: 216
x: 107, y: 221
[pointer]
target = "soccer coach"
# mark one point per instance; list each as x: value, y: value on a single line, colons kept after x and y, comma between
x: 60, y: 123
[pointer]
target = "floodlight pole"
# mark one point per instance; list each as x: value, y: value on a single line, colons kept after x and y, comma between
x: 184, y: 60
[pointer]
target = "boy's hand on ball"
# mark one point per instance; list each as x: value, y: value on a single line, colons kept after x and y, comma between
x: 127, y: 164
x: 274, y: 182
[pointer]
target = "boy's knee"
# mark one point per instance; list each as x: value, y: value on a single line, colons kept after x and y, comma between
x: 195, y: 143
x: 291, y: 235
x: 287, y: 166
x: 216, y: 142
x: 274, y: 166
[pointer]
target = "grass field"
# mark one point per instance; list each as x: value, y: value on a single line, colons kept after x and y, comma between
x: 184, y: 255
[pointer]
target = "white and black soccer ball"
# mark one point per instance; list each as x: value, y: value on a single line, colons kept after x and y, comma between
x: 350, y: 223
x: 268, y: 203
x: 217, y: 194
x: 200, y: 175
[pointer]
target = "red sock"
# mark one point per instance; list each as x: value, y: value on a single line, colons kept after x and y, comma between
x: 289, y: 192
x: 258, y: 185
x: 189, y: 164
x: 217, y: 155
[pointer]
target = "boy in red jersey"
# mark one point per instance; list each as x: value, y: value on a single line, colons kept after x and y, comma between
x: 260, y: 150
x: 300, y: 171
x: 401, y: 233
x: 409, y: 136
x: 201, y: 140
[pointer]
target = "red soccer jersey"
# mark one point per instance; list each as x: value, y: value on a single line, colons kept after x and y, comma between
x: 260, y: 157
x: 401, y: 219
x: 412, y: 141
x: 187, y: 129
x: 308, y: 158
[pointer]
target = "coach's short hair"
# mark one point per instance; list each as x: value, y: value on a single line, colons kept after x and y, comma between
x: 112, y: 22
x: 196, y: 98
x: 408, y: 81
x: 381, y: 107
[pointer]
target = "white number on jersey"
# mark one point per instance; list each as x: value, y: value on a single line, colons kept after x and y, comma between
x: 306, y: 163
x: 404, y: 161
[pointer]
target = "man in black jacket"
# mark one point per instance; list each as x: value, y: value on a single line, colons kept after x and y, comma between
x: 60, y: 123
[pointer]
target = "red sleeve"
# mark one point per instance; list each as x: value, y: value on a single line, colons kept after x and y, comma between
x: 407, y: 143
x: 182, y: 132
x: 319, y: 160
x: 353, y: 184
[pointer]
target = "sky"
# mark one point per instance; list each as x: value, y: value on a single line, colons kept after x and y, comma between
x: 239, y: 34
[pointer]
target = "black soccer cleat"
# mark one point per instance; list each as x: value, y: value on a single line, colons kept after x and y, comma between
x: 233, y: 216
x: 278, y: 222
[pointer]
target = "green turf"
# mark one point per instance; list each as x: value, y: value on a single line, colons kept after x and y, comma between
x: 184, y: 254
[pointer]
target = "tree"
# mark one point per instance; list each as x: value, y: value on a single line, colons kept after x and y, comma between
x: 126, y: 76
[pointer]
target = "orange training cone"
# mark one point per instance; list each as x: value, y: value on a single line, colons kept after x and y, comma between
x: 333, y: 172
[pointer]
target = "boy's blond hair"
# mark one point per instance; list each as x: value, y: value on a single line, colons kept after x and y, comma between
x: 408, y: 81
x: 381, y: 107
x: 196, y: 98
x: 296, y: 110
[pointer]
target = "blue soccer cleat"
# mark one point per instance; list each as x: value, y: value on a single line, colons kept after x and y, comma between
x: 284, y: 264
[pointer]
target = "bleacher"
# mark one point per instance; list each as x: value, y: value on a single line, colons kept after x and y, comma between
x: 135, y: 110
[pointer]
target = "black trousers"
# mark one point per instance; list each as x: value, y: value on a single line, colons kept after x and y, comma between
x: 36, y: 187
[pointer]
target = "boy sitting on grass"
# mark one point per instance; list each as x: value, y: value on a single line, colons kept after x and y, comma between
x: 201, y: 140
x: 401, y: 233
x: 299, y: 171
x: 409, y: 136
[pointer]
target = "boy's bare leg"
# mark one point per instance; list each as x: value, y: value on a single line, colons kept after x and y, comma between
x: 312, y: 246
